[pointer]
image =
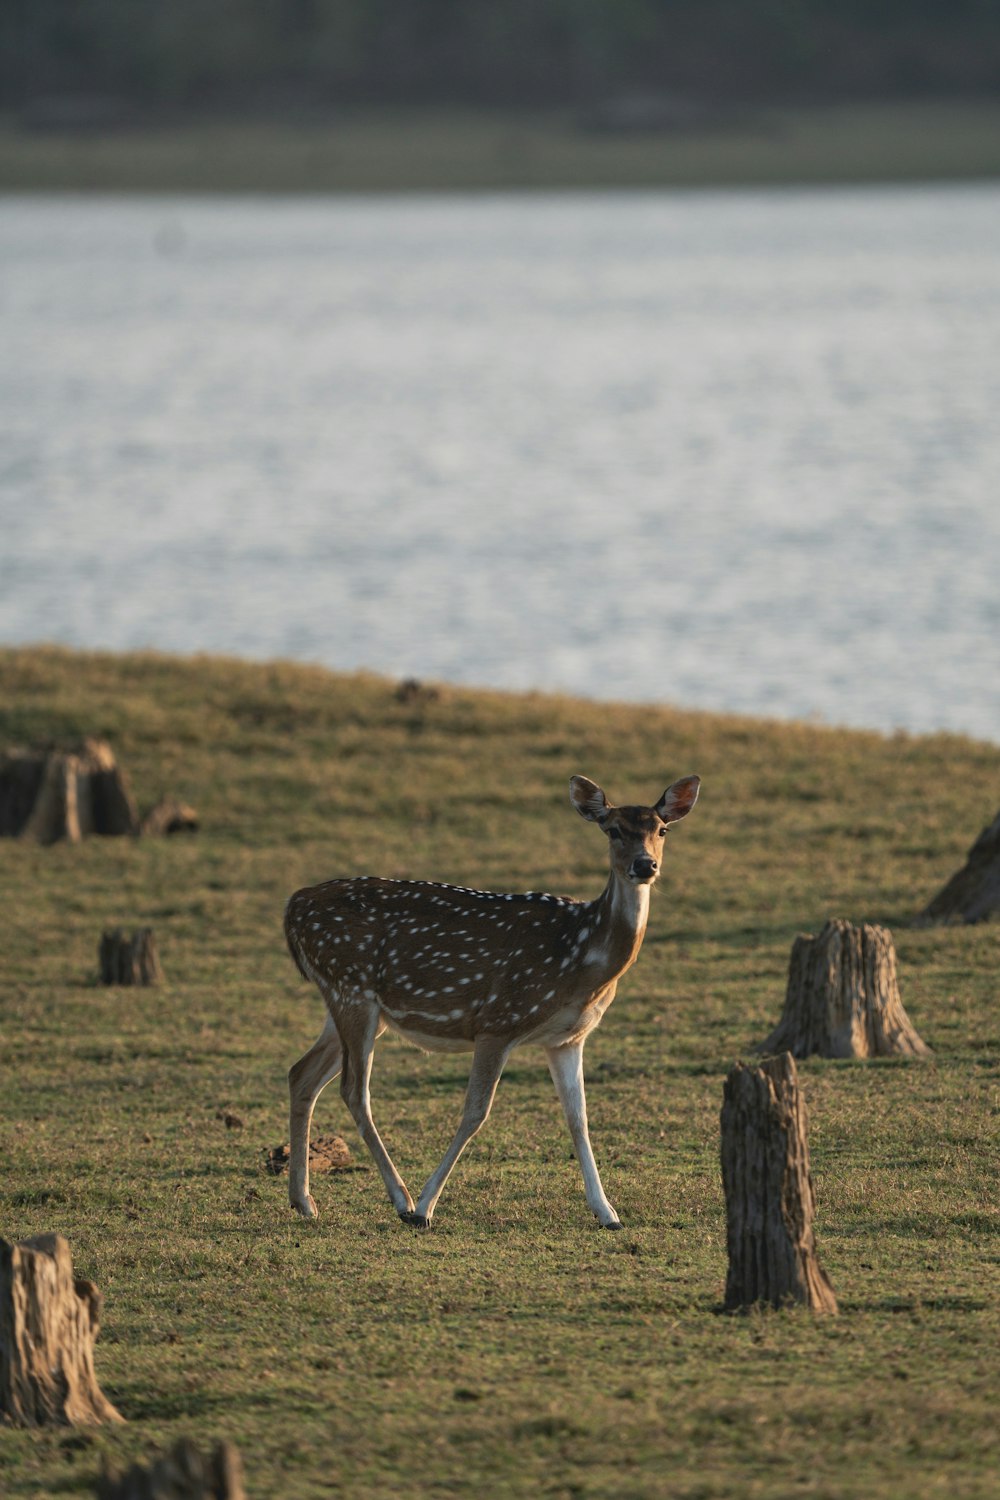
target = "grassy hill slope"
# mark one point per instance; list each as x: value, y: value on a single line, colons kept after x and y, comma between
x: 516, y: 1350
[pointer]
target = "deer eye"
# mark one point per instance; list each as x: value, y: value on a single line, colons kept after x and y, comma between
x: 662, y: 832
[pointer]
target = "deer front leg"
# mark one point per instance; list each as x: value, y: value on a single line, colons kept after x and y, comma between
x: 490, y: 1054
x: 566, y: 1067
x: 306, y: 1079
x: 360, y: 1029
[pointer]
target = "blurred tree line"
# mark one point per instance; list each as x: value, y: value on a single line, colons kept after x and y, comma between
x: 277, y: 55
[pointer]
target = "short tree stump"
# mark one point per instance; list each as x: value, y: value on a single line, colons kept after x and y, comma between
x: 769, y: 1191
x: 182, y: 1474
x: 169, y: 816
x: 129, y: 960
x: 973, y: 892
x: 49, y: 1321
x: 50, y: 795
x: 843, y: 998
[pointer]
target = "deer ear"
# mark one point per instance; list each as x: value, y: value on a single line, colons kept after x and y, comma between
x: 678, y: 800
x: 588, y: 799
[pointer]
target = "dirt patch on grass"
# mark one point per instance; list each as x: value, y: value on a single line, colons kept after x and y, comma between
x: 327, y: 1153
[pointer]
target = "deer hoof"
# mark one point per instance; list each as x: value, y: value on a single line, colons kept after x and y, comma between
x: 613, y: 1224
x: 415, y: 1220
x: 307, y: 1207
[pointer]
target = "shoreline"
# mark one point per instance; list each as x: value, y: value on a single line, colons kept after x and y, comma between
x: 426, y: 151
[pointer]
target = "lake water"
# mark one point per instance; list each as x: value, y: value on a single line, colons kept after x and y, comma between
x: 737, y: 450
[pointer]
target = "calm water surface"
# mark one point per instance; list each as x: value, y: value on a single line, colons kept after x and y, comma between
x: 736, y: 450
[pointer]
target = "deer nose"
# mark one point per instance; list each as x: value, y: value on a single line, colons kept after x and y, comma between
x: 644, y: 867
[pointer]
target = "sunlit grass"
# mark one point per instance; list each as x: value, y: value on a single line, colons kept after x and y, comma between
x: 516, y: 1350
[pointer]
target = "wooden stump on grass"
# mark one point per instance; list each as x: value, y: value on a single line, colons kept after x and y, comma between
x: 182, y: 1474
x: 129, y: 960
x: 973, y: 892
x: 48, y: 1324
x: 769, y: 1193
x: 843, y: 998
x: 170, y: 816
x: 50, y: 795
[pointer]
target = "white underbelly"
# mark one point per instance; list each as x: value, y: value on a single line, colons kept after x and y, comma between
x: 570, y: 1024
x: 428, y: 1041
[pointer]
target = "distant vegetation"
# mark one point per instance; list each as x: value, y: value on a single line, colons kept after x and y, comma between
x: 275, y: 54
x: 359, y: 95
x: 420, y: 149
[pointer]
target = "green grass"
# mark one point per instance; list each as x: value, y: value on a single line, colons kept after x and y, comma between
x: 449, y: 150
x: 516, y: 1350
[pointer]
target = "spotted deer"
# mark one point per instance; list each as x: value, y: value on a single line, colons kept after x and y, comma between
x: 457, y: 970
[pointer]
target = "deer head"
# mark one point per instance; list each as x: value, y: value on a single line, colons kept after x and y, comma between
x: 635, y: 834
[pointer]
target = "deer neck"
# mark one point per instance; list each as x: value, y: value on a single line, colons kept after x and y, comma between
x: 620, y: 915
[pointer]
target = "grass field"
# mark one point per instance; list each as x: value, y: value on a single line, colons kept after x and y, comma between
x: 516, y: 1350
x: 447, y: 151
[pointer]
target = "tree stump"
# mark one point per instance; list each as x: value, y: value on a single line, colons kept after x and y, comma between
x: 182, y: 1474
x: 170, y: 816
x: 973, y: 892
x: 65, y: 794
x: 48, y: 1324
x: 129, y: 960
x: 769, y: 1192
x: 843, y: 998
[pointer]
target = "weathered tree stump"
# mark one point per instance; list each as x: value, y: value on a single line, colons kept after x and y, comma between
x: 48, y: 1324
x: 843, y: 998
x: 170, y: 816
x: 129, y: 960
x: 65, y: 794
x: 769, y: 1192
x: 182, y: 1474
x: 973, y: 892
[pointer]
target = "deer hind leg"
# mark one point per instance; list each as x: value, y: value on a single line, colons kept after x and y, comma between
x: 487, y: 1064
x: 566, y: 1067
x: 360, y: 1027
x: 306, y: 1080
